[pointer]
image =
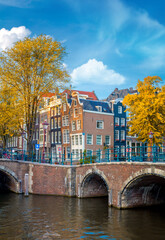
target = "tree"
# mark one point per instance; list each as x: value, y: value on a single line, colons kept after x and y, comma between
x: 33, y: 67
x: 10, y: 114
x: 147, y: 110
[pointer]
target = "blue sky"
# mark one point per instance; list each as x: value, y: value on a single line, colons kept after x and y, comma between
x: 109, y: 43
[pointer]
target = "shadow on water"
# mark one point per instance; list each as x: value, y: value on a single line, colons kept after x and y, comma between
x: 52, y: 217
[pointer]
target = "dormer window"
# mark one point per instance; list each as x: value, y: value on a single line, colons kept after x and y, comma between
x: 99, y: 108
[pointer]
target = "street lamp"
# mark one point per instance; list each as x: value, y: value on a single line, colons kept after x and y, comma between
x: 45, y: 126
x: 151, y: 142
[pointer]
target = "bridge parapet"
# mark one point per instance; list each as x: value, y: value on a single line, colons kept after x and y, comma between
x: 127, y: 184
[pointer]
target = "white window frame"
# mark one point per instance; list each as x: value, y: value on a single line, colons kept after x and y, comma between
x: 59, y: 137
x: 78, y: 124
x: 74, y: 125
x: 89, y: 154
x: 117, y: 121
x: 100, y: 122
x: 122, y: 135
x: 64, y: 107
x: 109, y: 139
x: 91, y: 139
x: 99, y: 137
x: 76, y: 140
x: 116, y: 135
x: 123, y: 122
x: 119, y: 109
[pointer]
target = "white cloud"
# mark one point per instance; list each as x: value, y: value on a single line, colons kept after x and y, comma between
x: 9, y: 37
x: 97, y: 73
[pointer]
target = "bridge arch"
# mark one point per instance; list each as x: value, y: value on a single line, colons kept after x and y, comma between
x: 9, y: 180
x: 143, y: 188
x: 94, y: 184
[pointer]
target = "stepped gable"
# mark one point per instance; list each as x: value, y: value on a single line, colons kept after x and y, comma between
x: 96, y: 106
x: 120, y: 93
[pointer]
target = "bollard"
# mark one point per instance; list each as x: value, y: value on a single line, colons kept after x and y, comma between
x: 26, y: 184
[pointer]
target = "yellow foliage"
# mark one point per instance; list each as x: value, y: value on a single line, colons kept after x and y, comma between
x: 31, y: 68
x: 147, y: 110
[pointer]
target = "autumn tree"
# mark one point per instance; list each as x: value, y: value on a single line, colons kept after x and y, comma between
x: 10, y: 113
x: 33, y: 67
x: 147, y: 110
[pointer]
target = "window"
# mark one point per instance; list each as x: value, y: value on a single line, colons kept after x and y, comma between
x: 116, y: 121
x: 80, y: 139
x: 100, y: 124
x: 89, y: 139
x: 80, y: 110
x: 55, y: 111
x: 107, y: 140
x: 59, y: 122
x: 73, y: 125
x: 89, y: 152
x: 77, y: 153
x: 78, y: 124
x: 99, y: 140
x: 59, y: 136
x: 75, y: 102
x: 41, y: 135
x: 116, y: 135
x: 99, y: 108
x: 119, y: 109
x: 75, y: 112
x: 59, y: 110
x: 98, y: 154
x: 123, y: 122
x: 73, y: 140
x: 76, y: 139
x: 66, y: 136
x: 56, y: 138
x: 64, y: 107
x: 122, y: 135
x: 122, y: 151
x: 65, y: 121
x: 55, y: 121
x: 52, y: 123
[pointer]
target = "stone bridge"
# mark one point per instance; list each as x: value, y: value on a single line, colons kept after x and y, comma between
x: 126, y: 184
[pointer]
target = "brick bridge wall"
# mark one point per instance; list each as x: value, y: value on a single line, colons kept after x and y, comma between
x: 127, y: 184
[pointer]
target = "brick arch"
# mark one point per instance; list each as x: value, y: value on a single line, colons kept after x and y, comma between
x: 89, y: 173
x: 12, y: 176
x: 147, y: 171
x: 139, y: 185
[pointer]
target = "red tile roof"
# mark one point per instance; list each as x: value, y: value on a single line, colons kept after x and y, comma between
x: 48, y: 94
x: 91, y: 95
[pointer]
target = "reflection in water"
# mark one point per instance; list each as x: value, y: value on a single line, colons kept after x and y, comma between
x: 50, y: 217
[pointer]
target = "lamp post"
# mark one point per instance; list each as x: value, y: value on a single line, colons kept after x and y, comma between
x: 151, y: 142
x: 45, y: 126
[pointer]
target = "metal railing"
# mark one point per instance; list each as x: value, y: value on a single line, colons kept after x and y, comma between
x: 129, y: 154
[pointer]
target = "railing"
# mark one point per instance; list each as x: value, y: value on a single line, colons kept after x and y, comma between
x: 129, y: 154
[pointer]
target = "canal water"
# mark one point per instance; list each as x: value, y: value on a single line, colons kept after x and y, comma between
x: 51, y: 217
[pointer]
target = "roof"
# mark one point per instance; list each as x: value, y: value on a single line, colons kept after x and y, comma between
x: 48, y: 94
x: 92, y: 105
x: 90, y: 95
x: 120, y: 93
